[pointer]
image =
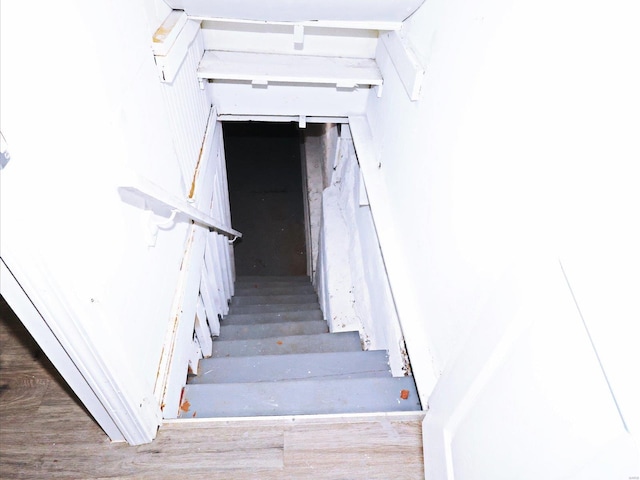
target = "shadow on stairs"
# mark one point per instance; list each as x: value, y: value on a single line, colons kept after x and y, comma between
x: 275, y: 356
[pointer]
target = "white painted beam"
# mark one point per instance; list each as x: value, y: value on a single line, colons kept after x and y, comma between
x: 318, y: 11
x: 406, y: 63
x: 171, y: 41
x: 261, y: 68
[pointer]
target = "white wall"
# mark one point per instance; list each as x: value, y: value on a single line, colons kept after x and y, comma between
x: 525, y: 140
x: 81, y: 100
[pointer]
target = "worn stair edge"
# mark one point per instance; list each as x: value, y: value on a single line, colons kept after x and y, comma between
x: 238, y: 309
x: 286, y: 290
x: 273, y: 299
x: 273, y: 317
x: 300, y: 397
x: 265, y: 330
x: 241, y: 280
x: 272, y: 368
x: 323, y: 342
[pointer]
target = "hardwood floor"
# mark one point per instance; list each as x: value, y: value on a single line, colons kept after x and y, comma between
x: 45, y: 433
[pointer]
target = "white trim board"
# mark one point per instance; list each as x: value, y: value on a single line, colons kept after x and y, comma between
x: 263, y: 68
x: 406, y: 63
x: 54, y: 325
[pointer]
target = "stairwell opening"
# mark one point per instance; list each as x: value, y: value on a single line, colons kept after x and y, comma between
x: 287, y: 346
x: 266, y: 196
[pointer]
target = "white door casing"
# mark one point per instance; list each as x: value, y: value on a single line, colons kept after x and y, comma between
x: 526, y: 396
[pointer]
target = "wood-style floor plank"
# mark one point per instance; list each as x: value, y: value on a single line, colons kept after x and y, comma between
x: 46, y: 434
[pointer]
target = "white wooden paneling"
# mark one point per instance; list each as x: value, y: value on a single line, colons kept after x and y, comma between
x: 188, y: 110
x: 263, y: 68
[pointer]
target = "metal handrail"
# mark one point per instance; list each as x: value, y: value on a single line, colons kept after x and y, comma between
x: 155, y: 194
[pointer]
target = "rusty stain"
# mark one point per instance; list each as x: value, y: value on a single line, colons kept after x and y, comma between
x: 161, y: 34
x: 279, y: 342
x: 185, y: 406
x: 404, y: 394
x: 192, y: 191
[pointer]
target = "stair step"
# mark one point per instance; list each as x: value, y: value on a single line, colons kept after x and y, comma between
x: 271, y: 368
x: 274, y: 299
x: 273, y: 317
x: 265, y: 330
x: 322, y: 342
x: 293, y: 289
x: 299, y: 397
x: 270, y: 280
x: 285, y: 307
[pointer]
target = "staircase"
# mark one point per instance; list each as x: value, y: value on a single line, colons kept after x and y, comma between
x: 275, y: 356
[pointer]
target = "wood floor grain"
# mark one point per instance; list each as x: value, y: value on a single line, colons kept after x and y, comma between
x: 45, y: 433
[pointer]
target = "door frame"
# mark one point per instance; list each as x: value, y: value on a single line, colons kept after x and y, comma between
x: 41, y: 306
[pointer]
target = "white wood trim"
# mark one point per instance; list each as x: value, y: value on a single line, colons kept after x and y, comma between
x: 167, y: 33
x: 38, y: 328
x: 383, y: 26
x: 203, y: 333
x: 280, y: 118
x: 177, y: 349
x: 201, y: 185
x: 209, y: 298
x: 394, y: 256
x: 41, y: 306
x: 174, y: 47
x: 268, y: 67
x: 406, y: 63
x: 299, y: 419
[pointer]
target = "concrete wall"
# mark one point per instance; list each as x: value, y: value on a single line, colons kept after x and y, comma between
x: 524, y: 142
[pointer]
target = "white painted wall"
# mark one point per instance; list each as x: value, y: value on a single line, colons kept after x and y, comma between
x: 351, y: 278
x: 524, y: 141
x: 77, y: 109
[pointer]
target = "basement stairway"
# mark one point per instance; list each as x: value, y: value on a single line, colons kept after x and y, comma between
x: 275, y: 356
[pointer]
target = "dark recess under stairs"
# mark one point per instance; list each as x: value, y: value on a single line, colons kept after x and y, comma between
x: 275, y: 356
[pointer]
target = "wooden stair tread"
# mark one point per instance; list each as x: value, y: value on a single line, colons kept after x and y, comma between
x: 300, y: 397
x: 270, y: 368
x: 325, y: 342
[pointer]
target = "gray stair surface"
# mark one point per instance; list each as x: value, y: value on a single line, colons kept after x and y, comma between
x: 272, y: 368
x: 302, y: 307
x: 275, y: 356
x: 300, y: 397
x: 272, y: 317
x: 273, y: 299
x: 266, y: 330
x: 284, y: 290
x: 323, y: 342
